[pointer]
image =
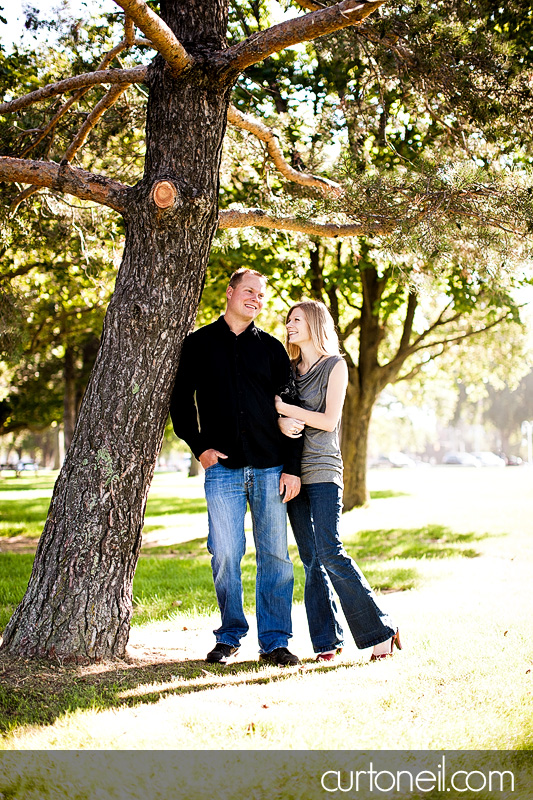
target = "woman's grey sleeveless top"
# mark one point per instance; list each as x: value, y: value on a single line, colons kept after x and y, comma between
x: 321, y: 457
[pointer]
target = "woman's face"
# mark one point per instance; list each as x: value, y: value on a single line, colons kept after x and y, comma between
x: 298, y: 327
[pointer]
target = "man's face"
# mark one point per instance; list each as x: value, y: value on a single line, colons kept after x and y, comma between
x: 247, y: 298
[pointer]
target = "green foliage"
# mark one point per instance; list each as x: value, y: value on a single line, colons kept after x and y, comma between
x: 422, y: 115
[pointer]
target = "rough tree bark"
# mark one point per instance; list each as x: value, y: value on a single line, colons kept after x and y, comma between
x: 70, y: 411
x: 366, y: 380
x: 78, y: 603
x: 356, y: 419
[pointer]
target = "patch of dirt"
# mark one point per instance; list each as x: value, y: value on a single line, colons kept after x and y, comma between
x: 146, y: 663
x: 18, y: 544
x: 25, y: 544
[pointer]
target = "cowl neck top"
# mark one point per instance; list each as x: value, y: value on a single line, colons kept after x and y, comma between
x: 321, y: 457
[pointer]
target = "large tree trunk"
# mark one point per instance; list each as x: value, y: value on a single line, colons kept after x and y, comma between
x: 194, y: 468
x: 69, y: 395
x: 78, y: 604
x: 356, y: 418
x: 366, y: 380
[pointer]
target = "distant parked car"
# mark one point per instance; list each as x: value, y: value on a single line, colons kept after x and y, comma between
x: 488, y: 459
x: 380, y: 461
x: 460, y: 459
x: 514, y: 461
x: 401, y: 460
x: 396, y: 460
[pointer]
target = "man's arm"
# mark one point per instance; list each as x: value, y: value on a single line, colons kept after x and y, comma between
x: 292, y: 447
x: 183, y: 410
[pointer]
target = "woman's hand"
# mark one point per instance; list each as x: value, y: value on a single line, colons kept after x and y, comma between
x: 278, y: 402
x: 291, y: 427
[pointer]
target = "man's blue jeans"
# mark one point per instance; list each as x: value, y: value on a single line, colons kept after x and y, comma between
x: 227, y: 492
x: 315, y: 517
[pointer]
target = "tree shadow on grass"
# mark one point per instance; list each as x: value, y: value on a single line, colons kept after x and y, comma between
x: 40, y: 692
x: 37, y: 693
x: 429, y: 541
x: 23, y: 517
x: 179, y: 576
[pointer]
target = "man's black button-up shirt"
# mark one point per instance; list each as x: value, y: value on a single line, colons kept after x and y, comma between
x: 224, y: 393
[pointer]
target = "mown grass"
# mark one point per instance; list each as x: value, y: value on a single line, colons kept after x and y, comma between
x: 179, y: 577
x: 61, y: 690
x: 26, y: 516
x: 463, y: 680
x: 245, y: 775
x: 27, y: 482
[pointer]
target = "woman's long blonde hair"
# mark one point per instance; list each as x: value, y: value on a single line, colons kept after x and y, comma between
x: 322, y: 329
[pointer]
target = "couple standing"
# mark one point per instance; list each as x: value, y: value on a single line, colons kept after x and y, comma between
x: 226, y: 405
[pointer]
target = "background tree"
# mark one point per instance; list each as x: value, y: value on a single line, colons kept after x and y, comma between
x: 78, y: 602
x: 507, y: 408
x: 435, y: 285
x: 60, y: 286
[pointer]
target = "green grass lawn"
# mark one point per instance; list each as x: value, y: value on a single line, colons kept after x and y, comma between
x: 454, y: 546
x: 24, y: 502
x: 178, y: 577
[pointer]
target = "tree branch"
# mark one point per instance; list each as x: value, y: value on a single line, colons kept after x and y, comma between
x: 390, y: 40
x: 354, y: 323
x: 248, y: 123
x: 21, y: 197
x: 300, y: 29
x: 53, y: 122
x: 112, y: 76
x: 98, y: 111
x: 412, y: 303
x: 255, y: 217
x: 394, y: 366
x: 159, y: 33
x: 64, y: 178
x: 310, y: 5
x: 119, y: 48
x: 466, y: 335
x: 404, y: 352
x: 128, y: 41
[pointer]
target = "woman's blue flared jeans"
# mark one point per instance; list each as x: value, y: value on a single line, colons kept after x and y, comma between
x: 227, y: 492
x: 315, y: 516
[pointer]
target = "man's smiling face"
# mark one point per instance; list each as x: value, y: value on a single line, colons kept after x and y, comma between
x: 246, y: 300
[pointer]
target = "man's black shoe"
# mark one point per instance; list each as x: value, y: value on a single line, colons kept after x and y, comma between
x: 281, y: 657
x: 220, y: 653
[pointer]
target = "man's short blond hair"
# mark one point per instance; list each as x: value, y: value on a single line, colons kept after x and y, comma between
x: 239, y: 274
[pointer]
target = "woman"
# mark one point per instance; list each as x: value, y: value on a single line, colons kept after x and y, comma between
x: 321, y: 378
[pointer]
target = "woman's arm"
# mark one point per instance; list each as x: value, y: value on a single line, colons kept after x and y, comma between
x: 323, y: 420
x: 291, y: 427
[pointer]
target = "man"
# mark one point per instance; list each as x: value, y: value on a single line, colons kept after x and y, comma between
x: 223, y: 407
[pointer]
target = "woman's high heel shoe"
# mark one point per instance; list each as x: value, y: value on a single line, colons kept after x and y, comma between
x: 394, y: 641
x: 328, y: 655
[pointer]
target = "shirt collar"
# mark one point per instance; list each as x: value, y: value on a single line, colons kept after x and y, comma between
x: 221, y: 321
